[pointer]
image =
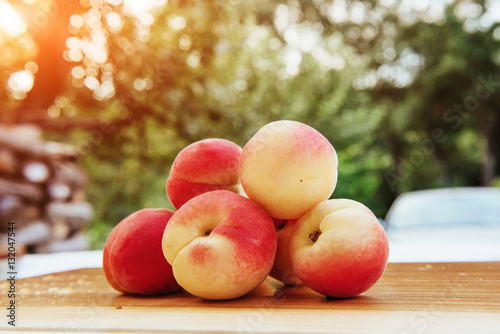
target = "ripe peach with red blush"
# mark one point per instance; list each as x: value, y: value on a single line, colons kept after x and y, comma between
x: 133, y: 260
x: 288, y: 167
x: 282, y: 268
x: 339, y: 248
x: 221, y: 245
x: 206, y: 165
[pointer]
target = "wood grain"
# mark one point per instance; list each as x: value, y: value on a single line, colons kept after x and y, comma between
x: 409, y: 298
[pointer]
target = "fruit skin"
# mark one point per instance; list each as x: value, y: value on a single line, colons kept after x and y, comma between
x: 133, y: 260
x: 206, y: 165
x: 350, y: 254
x: 282, y: 269
x: 288, y: 167
x: 221, y: 245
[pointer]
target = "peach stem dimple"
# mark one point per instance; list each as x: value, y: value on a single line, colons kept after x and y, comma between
x: 280, y: 227
x: 207, y: 232
x: 314, y: 236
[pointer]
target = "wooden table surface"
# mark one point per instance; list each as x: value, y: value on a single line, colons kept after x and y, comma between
x: 409, y: 298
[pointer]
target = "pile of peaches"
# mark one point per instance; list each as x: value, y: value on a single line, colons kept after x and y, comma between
x: 244, y: 214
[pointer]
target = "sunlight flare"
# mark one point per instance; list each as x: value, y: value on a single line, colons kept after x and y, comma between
x: 10, y: 20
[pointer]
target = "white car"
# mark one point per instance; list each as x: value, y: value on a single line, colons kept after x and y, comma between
x: 445, y: 225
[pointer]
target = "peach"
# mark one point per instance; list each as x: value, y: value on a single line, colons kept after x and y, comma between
x: 282, y: 269
x: 288, y: 167
x: 221, y: 245
x: 133, y: 260
x: 339, y: 248
x: 206, y: 165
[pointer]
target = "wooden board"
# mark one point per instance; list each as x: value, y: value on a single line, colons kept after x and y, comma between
x: 409, y: 298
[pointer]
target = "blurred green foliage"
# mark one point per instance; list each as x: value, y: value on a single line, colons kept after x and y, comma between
x: 406, y: 93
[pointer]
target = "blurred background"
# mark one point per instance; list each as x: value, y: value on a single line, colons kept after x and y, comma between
x: 98, y: 96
